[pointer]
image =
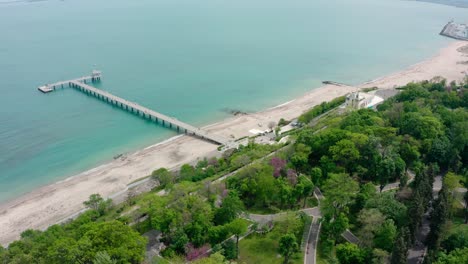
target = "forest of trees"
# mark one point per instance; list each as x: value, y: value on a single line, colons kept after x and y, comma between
x: 414, y: 137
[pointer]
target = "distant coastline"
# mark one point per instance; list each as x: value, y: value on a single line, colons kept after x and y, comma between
x: 455, y: 3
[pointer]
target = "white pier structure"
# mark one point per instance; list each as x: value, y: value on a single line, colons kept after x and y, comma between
x: 81, y: 85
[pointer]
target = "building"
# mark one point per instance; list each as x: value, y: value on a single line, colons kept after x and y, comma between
x: 359, y: 100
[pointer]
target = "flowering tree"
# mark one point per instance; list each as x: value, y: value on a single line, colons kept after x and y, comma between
x: 195, y: 253
x: 278, y: 165
x: 292, y: 177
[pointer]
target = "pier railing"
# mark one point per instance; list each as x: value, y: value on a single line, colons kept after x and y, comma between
x: 81, y: 85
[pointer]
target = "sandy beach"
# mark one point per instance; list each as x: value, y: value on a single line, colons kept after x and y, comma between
x: 50, y: 204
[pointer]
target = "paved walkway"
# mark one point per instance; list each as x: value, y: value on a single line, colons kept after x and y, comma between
x: 314, y: 230
x: 396, y: 185
x: 310, y: 252
x: 417, y: 252
x: 311, y: 246
x: 350, y: 237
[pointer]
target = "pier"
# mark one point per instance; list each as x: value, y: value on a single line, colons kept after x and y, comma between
x: 146, y: 113
x: 335, y: 83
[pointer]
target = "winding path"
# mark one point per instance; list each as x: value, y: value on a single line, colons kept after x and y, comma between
x: 417, y: 252
x: 310, y: 254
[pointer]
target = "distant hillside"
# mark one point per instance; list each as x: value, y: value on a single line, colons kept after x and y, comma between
x: 457, y: 3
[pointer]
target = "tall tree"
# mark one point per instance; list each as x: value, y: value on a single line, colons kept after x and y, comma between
x: 438, y: 219
x: 121, y: 243
x: 303, y: 188
x: 345, y: 153
x: 238, y: 227
x: 385, y: 234
x: 370, y: 220
x: 97, y: 203
x: 163, y: 176
x: 288, y: 246
x: 400, y: 250
x: 340, y: 190
x: 230, y: 208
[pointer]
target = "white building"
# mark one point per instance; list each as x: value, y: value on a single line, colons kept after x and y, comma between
x: 358, y: 100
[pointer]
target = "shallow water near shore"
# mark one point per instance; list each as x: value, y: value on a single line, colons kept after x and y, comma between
x: 188, y: 59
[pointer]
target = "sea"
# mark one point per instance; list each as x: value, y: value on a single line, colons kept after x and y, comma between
x: 196, y: 60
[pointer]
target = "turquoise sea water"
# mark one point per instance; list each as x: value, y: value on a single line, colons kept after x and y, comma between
x: 189, y: 59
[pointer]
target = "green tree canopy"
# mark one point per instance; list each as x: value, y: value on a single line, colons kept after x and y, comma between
x: 288, y: 246
x: 348, y: 253
x: 339, y: 190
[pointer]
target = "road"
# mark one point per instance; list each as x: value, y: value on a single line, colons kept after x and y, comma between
x: 311, y: 246
x: 396, y: 185
x: 417, y: 252
x: 310, y: 252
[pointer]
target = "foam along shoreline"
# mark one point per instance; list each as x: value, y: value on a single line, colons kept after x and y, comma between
x: 50, y: 204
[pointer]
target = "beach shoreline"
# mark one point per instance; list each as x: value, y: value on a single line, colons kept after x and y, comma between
x: 50, y: 204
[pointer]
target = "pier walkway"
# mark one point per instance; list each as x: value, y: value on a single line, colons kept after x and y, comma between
x: 80, y: 84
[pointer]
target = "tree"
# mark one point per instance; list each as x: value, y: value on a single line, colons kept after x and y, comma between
x: 380, y: 256
x: 300, y: 157
x: 278, y: 166
x: 386, y: 171
x: 64, y: 250
x: 122, y: 244
x: 186, y: 172
x: 366, y: 192
x: 238, y: 227
x: 179, y: 241
x: 303, y: 188
x: 216, y: 234
x: 163, y: 218
x: 457, y: 256
x: 240, y: 161
x: 231, y: 207
x: 409, y: 150
x: 316, y: 175
x: 454, y: 241
x: 348, y: 253
x: 103, y: 258
x: 385, y: 234
x: 163, y: 176
x: 415, y: 213
x: 230, y: 249
x: 289, y: 223
x: 340, y: 190
x: 400, y: 250
x: 288, y: 246
x: 421, y: 126
x: 370, y: 220
x: 345, y: 153
x: 389, y: 206
x: 97, y: 203
x: 440, y: 151
x: 333, y: 228
x: 438, y: 218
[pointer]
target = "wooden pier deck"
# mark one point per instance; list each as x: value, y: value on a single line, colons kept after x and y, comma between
x: 142, y: 111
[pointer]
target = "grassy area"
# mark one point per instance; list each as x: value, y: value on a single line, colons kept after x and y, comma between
x: 263, y: 248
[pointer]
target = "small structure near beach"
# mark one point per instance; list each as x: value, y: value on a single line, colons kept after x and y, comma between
x: 358, y: 100
x: 455, y: 30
